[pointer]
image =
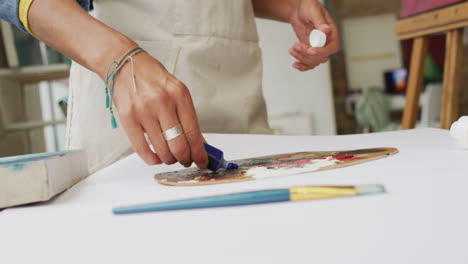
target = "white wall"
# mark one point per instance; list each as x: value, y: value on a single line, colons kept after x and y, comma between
x: 54, y: 138
x: 371, y: 48
x: 288, y: 90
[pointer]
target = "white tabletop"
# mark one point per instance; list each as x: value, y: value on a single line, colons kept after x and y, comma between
x: 422, y: 219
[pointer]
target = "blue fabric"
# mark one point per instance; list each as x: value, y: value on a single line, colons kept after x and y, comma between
x: 9, y: 11
x: 85, y: 4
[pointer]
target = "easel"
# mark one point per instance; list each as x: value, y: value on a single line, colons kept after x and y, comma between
x: 451, y: 19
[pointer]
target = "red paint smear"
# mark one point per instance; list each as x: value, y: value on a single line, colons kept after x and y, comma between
x: 300, y: 162
x: 345, y: 157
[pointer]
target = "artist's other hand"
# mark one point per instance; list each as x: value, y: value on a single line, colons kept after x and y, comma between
x: 309, y: 15
x: 159, y: 103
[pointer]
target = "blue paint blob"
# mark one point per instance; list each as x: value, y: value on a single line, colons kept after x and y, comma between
x: 232, y: 166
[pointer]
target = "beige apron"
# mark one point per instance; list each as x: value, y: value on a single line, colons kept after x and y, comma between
x: 210, y: 45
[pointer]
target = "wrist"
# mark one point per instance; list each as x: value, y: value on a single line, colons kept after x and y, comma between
x: 112, y: 48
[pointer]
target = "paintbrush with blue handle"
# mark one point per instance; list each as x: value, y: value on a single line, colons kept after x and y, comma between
x: 256, y: 197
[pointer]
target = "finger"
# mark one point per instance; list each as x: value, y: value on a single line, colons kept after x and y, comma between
x: 301, y: 66
x: 306, y: 50
x: 136, y: 136
x: 147, y: 112
x: 168, y: 119
x: 324, y: 60
x: 334, y: 36
x: 329, y: 20
x: 148, y: 141
x: 301, y: 58
x: 188, y: 118
x: 153, y: 129
x: 325, y: 28
x: 128, y: 113
x: 307, y: 59
x: 314, y: 14
x: 330, y: 48
x: 333, y: 40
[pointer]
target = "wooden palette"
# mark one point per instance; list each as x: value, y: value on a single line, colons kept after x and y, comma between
x: 295, y: 163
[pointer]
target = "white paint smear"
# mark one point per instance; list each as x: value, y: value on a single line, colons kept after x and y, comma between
x: 191, y: 181
x: 263, y: 172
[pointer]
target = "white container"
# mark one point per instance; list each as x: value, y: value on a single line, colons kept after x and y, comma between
x: 317, y: 39
x: 459, y: 131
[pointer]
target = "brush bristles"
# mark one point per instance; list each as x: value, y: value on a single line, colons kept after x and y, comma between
x: 370, y: 189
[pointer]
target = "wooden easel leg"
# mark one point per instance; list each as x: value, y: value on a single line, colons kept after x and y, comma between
x: 415, y: 81
x: 452, y: 73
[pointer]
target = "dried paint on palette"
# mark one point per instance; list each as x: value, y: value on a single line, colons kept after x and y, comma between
x: 274, y: 166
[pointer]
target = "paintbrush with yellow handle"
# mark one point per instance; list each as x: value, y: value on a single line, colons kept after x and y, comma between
x: 256, y: 197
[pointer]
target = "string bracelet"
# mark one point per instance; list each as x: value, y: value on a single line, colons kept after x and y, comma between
x: 112, y: 70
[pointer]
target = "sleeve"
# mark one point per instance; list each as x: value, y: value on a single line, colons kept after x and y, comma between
x: 85, y: 4
x: 9, y: 12
x: 15, y: 11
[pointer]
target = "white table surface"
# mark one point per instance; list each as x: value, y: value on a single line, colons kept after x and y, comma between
x: 422, y: 219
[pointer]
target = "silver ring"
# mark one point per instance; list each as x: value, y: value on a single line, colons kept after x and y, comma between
x: 172, y: 133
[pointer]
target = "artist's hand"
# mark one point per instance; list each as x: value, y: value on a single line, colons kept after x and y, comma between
x: 309, y: 15
x: 159, y: 103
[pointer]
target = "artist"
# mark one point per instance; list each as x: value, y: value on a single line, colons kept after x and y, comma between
x: 182, y: 67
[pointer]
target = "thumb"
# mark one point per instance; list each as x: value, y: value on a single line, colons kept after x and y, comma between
x: 325, y: 28
x: 314, y: 16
